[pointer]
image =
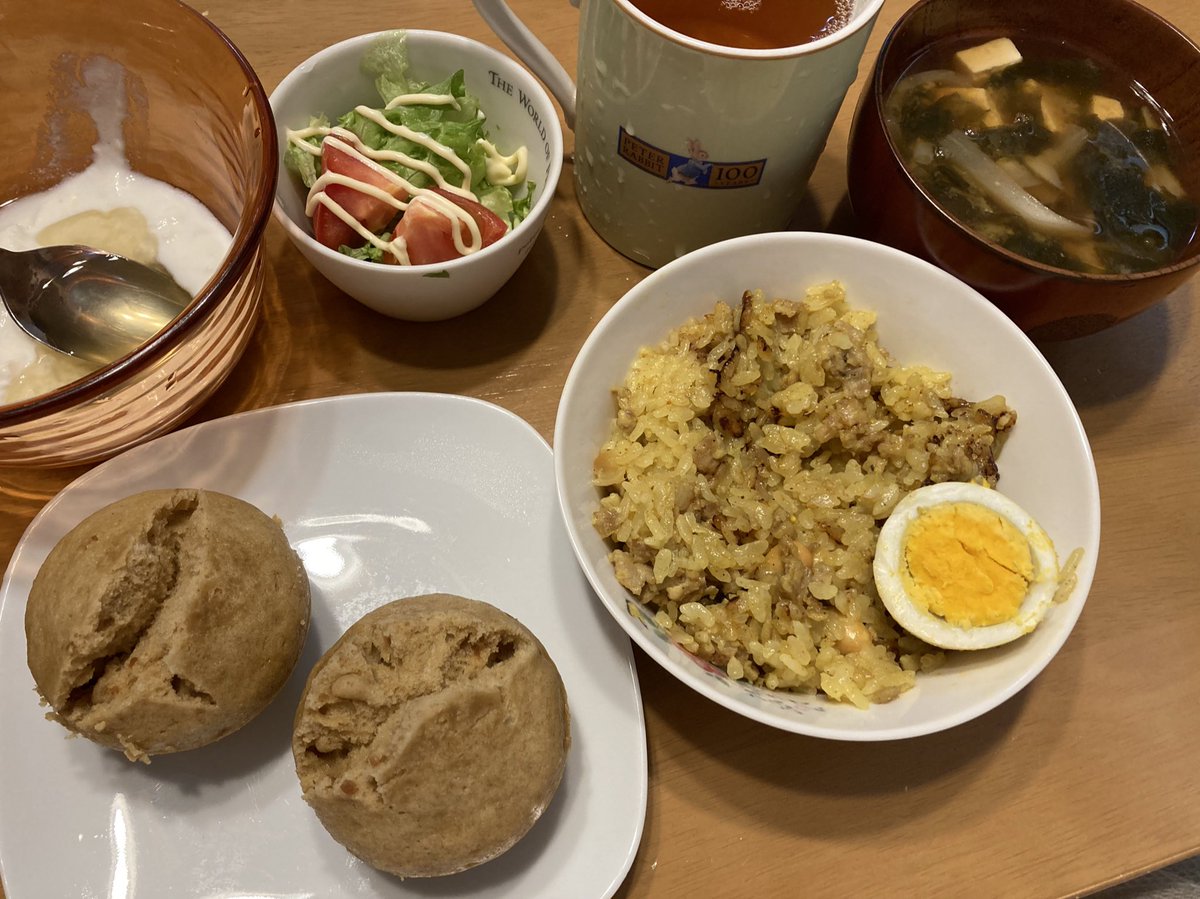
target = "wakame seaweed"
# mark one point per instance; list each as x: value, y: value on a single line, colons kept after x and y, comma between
x: 1023, y: 137
x: 1150, y: 227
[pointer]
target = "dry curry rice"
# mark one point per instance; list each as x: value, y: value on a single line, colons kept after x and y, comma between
x: 753, y: 457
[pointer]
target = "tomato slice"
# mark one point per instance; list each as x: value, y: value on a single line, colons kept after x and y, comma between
x: 428, y: 235
x: 372, y: 212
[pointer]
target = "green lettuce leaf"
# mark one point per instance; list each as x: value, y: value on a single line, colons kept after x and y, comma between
x: 523, y: 203
x: 368, y: 252
x: 304, y: 164
x: 456, y: 86
x: 387, y: 60
x: 499, y: 200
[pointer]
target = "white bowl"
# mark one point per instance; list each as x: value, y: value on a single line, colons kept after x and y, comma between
x: 924, y: 316
x: 332, y: 82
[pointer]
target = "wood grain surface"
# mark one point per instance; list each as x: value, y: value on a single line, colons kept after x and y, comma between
x: 1091, y: 775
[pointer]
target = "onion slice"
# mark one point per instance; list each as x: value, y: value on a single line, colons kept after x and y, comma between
x: 1069, y: 143
x: 960, y: 151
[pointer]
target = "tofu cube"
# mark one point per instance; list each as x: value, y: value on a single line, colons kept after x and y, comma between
x: 1058, y: 111
x: 1107, y: 108
x: 983, y: 59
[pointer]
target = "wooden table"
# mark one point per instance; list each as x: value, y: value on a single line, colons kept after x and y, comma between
x: 1089, y: 776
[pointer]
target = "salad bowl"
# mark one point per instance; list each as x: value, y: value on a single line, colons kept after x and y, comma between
x: 517, y: 113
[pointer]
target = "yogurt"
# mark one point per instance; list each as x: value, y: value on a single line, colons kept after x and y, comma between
x: 179, y: 232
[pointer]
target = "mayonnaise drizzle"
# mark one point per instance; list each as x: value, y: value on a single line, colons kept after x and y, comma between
x: 505, y: 171
x: 500, y: 170
x: 423, y: 100
x: 421, y: 165
x: 424, y: 140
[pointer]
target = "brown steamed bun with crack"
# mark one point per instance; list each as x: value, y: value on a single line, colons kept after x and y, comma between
x: 166, y: 621
x: 432, y: 735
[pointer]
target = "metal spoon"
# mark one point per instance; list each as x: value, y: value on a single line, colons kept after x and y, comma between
x: 86, y: 303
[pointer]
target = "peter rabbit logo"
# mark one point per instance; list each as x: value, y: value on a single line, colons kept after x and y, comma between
x: 696, y: 168
x: 692, y: 170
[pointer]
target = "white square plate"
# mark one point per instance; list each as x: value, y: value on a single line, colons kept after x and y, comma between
x: 383, y: 496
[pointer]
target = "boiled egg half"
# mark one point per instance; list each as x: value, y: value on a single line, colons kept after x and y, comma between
x: 962, y: 566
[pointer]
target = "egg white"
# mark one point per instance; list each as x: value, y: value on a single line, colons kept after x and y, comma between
x: 933, y: 629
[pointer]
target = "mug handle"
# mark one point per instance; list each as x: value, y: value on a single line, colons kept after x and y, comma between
x: 504, y: 22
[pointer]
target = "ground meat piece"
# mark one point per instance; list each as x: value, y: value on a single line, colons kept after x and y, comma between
x: 626, y: 418
x: 727, y: 417
x: 688, y: 588
x: 639, y: 551
x: 962, y: 455
x: 704, y: 455
x: 606, y: 520
x: 851, y: 368
x: 793, y: 582
x: 858, y: 431
x: 633, y: 576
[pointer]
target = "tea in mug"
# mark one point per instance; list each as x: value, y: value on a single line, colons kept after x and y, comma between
x: 750, y: 24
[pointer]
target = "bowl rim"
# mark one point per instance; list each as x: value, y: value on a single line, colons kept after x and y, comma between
x: 1069, y: 611
x: 241, y: 254
x: 1041, y: 268
x: 541, y: 203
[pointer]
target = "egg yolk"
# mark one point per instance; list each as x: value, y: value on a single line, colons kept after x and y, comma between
x: 966, y: 564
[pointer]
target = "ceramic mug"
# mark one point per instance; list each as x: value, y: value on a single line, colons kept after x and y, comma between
x: 680, y: 143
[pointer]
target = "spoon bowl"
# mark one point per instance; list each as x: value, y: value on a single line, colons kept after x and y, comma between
x: 86, y: 303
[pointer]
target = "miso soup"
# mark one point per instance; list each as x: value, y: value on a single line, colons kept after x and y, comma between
x: 1047, y: 152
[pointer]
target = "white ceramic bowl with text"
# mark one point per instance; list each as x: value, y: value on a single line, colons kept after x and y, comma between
x: 924, y: 316
x: 519, y: 113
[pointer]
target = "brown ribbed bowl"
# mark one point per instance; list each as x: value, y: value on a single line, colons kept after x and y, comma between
x: 199, y: 120
x: 891, y: 207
